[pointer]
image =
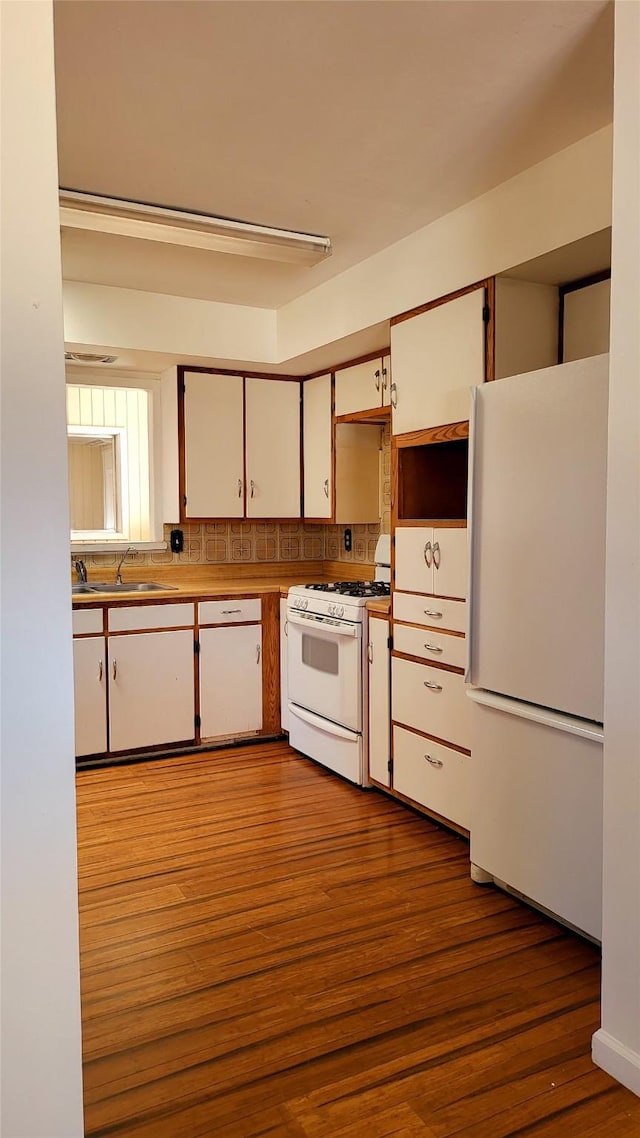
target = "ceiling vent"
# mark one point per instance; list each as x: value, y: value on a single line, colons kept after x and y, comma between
x: 88, y: 358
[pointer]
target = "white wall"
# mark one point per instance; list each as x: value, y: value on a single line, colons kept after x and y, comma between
x: 616, y: 1047
x: 566, y: 197
x: 153, y: 322
x: 41, y: 1059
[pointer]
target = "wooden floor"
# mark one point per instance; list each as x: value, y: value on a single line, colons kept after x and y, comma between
x: 269, y: 951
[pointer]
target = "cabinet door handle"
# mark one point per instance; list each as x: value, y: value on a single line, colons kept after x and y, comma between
x: 326, y: 487
x: 432, y: 687
x: 100, y: 671
x: 433, y: 613
x: 257, y: 653
x: 370, y: 652
x: 434, y: 762
x: 253, y: 486
x: 114, y: 669
x: 286, y: 627
x: 228, y: 612
x: 239, y: 487
x: 434, y: 648
x: 436, y: 554
x: 385, y: 377
x: 394, y: 395
x: 377, y: 375
x: 428, y: 554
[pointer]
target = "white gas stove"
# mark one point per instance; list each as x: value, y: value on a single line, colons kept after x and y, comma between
x: 327, y: 640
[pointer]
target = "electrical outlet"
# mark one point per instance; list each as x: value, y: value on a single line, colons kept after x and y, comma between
x: 347, y: 540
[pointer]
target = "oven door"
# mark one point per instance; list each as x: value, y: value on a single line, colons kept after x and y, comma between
x: 325, y: 667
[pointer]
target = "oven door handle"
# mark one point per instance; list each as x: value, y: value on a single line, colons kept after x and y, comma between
x: 322, y: 724
x: 327, y: 623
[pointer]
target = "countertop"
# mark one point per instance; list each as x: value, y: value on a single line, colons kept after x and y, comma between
x: 191, y: 582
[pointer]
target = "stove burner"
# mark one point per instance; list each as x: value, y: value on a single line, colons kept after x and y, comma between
x: 353, y: 588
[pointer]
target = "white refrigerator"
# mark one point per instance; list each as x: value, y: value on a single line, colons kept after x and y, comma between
x: 536, y: 635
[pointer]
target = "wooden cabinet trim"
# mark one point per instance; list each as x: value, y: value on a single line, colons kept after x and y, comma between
x: 271, y: 664
x: 430, y: 523
x: 372, y: 415
x: 443, y: 631
x: 420, y: 308
x: 428, y: 663
x: 434, y: 738
x: 433, y: 435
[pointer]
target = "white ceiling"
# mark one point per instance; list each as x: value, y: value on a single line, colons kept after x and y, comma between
x: 359, y: 119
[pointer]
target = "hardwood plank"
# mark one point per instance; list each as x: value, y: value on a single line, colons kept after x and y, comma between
x: 267, y: 950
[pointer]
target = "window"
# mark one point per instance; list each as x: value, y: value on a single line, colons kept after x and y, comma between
x: 109, y: 432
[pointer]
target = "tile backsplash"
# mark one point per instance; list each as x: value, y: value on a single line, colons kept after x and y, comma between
x: 232, y: 542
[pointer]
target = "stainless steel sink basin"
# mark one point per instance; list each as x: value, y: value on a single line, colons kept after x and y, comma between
x: 130, y: 587
x: 81, y: 588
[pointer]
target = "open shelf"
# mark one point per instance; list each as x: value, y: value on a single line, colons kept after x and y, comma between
x: 432, y: 481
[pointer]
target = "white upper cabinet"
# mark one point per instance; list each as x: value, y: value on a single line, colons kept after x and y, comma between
x: 586, y: 321
x: 214, y: 445
x: 273, y: 448
x: 526, y: 326
x: 316, y: 395
x: 363, y: 387
x: 437, y: 357
x: 241, y: 447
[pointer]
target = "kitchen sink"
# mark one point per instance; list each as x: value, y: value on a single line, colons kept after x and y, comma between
x: 81, y: 588
x: 130, y: 587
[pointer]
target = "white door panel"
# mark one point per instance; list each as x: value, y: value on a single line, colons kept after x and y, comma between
x: 90, y: 684
x: 214, y: 445
x: 151, y: 689
x: 230, y: 680
x: 273, y: 448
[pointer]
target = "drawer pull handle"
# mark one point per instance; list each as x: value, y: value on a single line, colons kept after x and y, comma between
x: 434, y: 648
x: 433, y: 613
x: 432, y: 687
x: 434, y: 762
x: 436, y: 555
x: 428, y: 554
x: 228, y: 612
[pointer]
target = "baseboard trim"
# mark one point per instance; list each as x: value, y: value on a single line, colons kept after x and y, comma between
x: 616, y: 1059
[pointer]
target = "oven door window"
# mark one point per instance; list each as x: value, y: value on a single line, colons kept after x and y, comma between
x: 319, y: 654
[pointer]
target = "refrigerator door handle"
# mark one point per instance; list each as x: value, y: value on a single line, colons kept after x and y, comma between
x: 585, y: 728
x: 473, y: 419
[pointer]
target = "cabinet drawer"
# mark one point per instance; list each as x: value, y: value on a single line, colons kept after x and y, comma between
x: 133, y: 618
x: 438, y: 647
x: 432, y: 701
x: 433, y: 775
x: 85, y: 621
x: 230, y: 611
x: 434, y: 612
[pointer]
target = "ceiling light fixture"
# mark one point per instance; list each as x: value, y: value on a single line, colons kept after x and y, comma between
x: 195, y: 230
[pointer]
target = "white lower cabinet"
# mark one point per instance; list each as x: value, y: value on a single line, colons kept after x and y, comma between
x: 379, y: 700
x: 431, y: 700
x: 432, y: 560
x: 284, y: 666
x: 90, y: 688
x: 230, y: 680
x: 151, y: 689
x: 433, y: 775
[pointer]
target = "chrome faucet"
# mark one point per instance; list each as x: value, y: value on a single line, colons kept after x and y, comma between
x: 118, y: 571
x: 81, y: 571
